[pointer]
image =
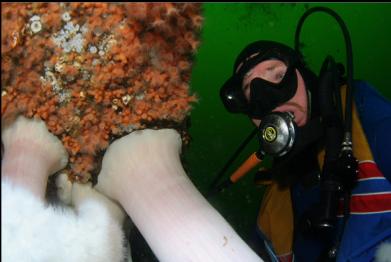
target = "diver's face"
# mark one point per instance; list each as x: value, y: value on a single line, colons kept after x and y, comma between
x: 273, y: 70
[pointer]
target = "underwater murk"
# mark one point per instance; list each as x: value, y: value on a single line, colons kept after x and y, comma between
x: 97, y: 71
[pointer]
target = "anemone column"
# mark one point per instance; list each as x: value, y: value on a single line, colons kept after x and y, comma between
x: 143, y: 172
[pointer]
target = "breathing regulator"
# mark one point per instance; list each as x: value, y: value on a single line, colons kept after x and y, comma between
x: 277, y: 133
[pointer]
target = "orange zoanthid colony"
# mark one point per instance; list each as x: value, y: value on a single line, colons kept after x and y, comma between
x: 97, y: 71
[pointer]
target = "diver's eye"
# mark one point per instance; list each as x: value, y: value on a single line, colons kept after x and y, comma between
x: 279, y: 76
x: 246, y: 87
x: 246, y: 90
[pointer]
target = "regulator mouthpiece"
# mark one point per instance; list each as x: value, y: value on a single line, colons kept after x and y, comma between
x: 277, y: 133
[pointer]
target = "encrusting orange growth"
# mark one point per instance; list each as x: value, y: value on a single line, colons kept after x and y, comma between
x: 98, y: 71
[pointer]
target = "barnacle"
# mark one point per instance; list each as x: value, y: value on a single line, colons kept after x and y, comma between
x: 97, y: 71
x: 36, y: 26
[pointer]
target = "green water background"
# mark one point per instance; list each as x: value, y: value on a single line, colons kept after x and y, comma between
x: 228, y: 27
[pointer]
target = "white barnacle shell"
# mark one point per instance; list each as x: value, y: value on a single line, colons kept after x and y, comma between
x: 93, y: 49
x: 36, y: 27
x: 126, y: 99
x: 66, y: 17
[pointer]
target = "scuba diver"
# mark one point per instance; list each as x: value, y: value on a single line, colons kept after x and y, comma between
x: 327, y: 199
